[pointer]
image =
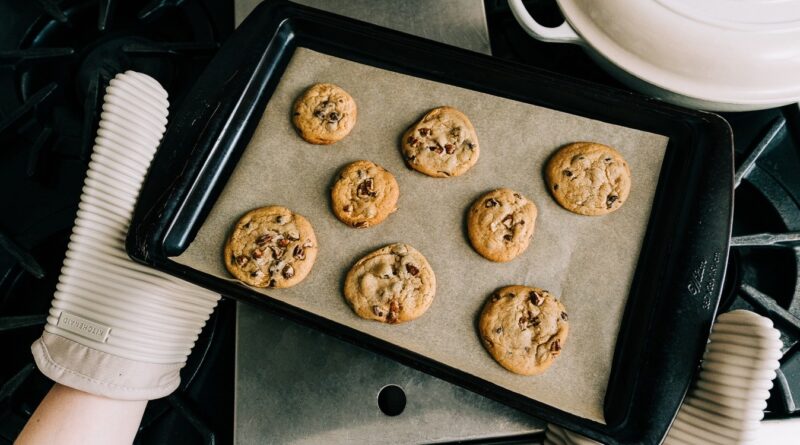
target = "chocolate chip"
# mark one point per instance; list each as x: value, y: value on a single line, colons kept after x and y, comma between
x: 281, y: 219
x: 491, y: 202
x: 555, y: 186
x: 449, y: 148
x: 556, y: 345
x: 610, y: 200
x: 567, y: 173
x: 319, y: 114
x: 377, y: 311
x: 347, y: 208
x: 299, y: 253
x: 410, y: 268
x: 433, y: 147
x: 508, y: 221
x: 508, y: 237
x: 564, y: 316
x: 271, y: 283
x: 248, y: 225
x: 333, y: 117
x: 277, y: 252
x: 263, y: 240
x: 424, y: 131
x: 256, y: 273
x: 608, y: 159
x: 283, y: 242
x: 360, y: 224
x: 365, y: 188
x: 517, y: 195
x: 288, y: 272
x: 536, y: 298
x: 412, y: 140
x: 411, y: 159
x: 523, y: 323
x: 535, y: 321
x: 495, y: 297
x: 510, y: 295
x: 257, y: 253
x: 394, y: 310
x: 241, y: 260
x: 499, y: 330
x: 470, y: 145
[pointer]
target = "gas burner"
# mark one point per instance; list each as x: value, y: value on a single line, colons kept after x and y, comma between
x: 764, y: 270
x: 56, y: 58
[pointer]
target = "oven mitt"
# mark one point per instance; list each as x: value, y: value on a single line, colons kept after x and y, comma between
x: 727, y: 402
x: 116, y: 328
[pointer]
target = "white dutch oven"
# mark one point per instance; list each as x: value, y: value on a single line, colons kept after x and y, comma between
x: 722, y: 55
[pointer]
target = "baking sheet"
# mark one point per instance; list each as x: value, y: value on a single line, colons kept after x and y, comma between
x: 588, y: 261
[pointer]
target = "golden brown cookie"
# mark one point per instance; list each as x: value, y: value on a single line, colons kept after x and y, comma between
x: 523, y: 328
x: 271, y: 247
x: 442, y: 144
x: 588, y: 178
x: 364, y: 194
x: 500, y: 224
x: 392, y: 284
x: 324, y: 114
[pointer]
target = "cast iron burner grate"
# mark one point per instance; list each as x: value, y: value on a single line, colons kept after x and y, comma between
x: 764, y: 265
x: 56, y: 58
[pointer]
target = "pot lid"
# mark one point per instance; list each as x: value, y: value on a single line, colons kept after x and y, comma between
x: 734, y: 51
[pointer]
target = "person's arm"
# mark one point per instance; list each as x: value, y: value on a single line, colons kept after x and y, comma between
x: 67, y: 415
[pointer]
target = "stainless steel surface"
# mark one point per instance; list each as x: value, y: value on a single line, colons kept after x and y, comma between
x: 460, y: 23
x: 296, y: 385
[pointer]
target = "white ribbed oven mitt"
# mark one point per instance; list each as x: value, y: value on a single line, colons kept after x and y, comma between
x: 117, y: 328
x: 727, y: 402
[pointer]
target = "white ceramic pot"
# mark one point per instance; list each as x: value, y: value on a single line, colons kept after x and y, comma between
x: 721, y: 55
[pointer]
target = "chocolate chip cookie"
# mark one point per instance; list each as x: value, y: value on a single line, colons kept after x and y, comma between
x: 523, y: 328
x: 364, y: 194
x: 442, y: 144
x: 393, y: 284
x: 500, y: 224
x: 271, y: 247
x: 324, y: 114
x: 588, y: 178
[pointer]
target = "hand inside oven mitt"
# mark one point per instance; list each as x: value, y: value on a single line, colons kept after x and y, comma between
x: 116, y: 329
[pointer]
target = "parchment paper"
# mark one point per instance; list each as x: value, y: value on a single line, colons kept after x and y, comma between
x: 587, y: 261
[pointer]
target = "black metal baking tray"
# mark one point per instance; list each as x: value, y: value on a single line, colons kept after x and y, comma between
x: 675, y: 290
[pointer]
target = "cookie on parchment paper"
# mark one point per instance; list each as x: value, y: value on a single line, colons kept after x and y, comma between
x: 523, y: 328
x: 364, y: 194
x: 588, y: 178
x: 442, y: 144
x: 500, y: 224
x: 324, y: 114
x: 392, y: 285
x: 271, y: 247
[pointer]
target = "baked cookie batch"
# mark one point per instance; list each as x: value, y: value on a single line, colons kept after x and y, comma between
x: 523, y: 328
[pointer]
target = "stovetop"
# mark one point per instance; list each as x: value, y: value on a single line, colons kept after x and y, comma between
x: 55, y: 58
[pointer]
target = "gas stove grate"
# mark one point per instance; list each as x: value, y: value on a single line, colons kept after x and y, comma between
x: 56, y: 57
